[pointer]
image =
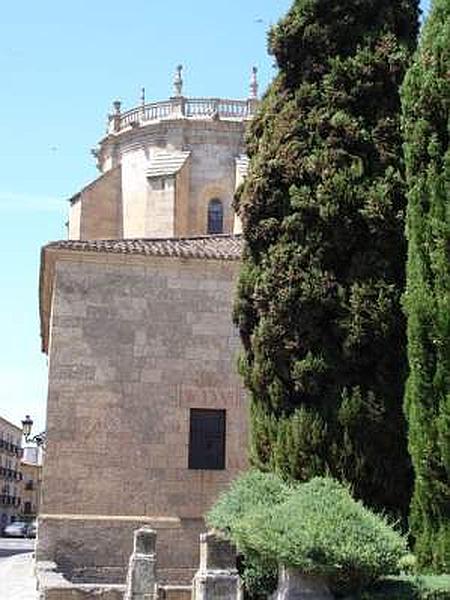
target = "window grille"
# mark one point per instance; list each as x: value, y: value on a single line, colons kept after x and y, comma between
x: 215, y: 216
x: 207, y: 439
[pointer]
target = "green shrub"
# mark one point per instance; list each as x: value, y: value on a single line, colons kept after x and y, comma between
x: 408, y: 564
x: 317, y: 527
x: 252, y: 491
x: 259, y: 576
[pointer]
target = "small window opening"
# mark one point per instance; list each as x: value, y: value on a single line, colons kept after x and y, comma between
x: 215, y: 216
x: 207, y: 439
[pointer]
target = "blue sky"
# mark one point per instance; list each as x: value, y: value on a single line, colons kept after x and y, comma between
x: 61, y: 66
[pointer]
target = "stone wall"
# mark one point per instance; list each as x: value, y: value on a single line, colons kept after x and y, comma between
x: 96, y: 548
x: 173, y: 205
x: 210, y: 173
x: 158, y: 219
x: 96, y: 213
x: 215, y: 146
x: 182, y: 201
x: 134, y: 344
x: 74, y: 222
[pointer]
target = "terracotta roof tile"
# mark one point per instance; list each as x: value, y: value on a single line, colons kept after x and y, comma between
x: 219, y: 247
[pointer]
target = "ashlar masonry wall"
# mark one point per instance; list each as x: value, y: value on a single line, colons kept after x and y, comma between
x: 135, y: 343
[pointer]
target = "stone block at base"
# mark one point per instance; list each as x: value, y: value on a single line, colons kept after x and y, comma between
x: 52, y: 585
x: 295, y: 585
x: 175, y: 592
x: 217, y: 577
x: 97, y: 551
x: 217, y: 586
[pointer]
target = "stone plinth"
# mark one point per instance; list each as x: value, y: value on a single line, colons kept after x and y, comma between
x: 217, y: 577
x: 141, y: 577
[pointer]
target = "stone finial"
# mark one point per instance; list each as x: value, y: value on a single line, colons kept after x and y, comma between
x: 178, y: 82
x: 114, y: 119
x: 254, y: 84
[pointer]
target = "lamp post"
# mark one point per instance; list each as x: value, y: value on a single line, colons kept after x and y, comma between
x: 39, y: 439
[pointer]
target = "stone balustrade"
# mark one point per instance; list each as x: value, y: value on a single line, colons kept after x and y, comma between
x: 181, y: 107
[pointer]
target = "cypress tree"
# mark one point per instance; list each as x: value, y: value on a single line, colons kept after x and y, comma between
x: 426, y: 120
x: 318, y: 304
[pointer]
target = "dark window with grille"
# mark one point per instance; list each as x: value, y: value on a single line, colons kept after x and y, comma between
x: 27, y: 508
x: 215, y: 216
x: 207, y: 439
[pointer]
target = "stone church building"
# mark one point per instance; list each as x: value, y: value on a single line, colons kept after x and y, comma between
x: 146, y: 415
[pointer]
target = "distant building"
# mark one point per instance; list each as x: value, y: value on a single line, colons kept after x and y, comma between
x: 31, y: 483
x: 10, y: 472
x: 146, y: 417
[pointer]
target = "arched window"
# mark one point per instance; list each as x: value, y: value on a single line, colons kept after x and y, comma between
x: 215, y: 216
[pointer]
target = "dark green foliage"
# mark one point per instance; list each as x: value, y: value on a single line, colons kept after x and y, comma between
x: 318, y: 304
x: 252, y: 491
x: 315, y: 526
x: 409, y: 588
x: 322, y: 531
x: 259, y: 576
x: 299, y: 443
x: 426, y: 107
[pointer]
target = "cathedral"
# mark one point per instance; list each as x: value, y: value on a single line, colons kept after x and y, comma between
x: 146, y: 415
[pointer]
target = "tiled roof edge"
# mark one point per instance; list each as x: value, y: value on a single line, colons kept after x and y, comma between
x: 218, y: 247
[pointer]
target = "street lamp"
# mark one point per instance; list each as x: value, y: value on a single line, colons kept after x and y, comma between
x: 38, y: 439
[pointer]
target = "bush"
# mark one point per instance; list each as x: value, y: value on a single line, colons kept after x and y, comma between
x: 316, y: 527
x: 259, y: 576
x: 253, y: 491
x: 409, y: 588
